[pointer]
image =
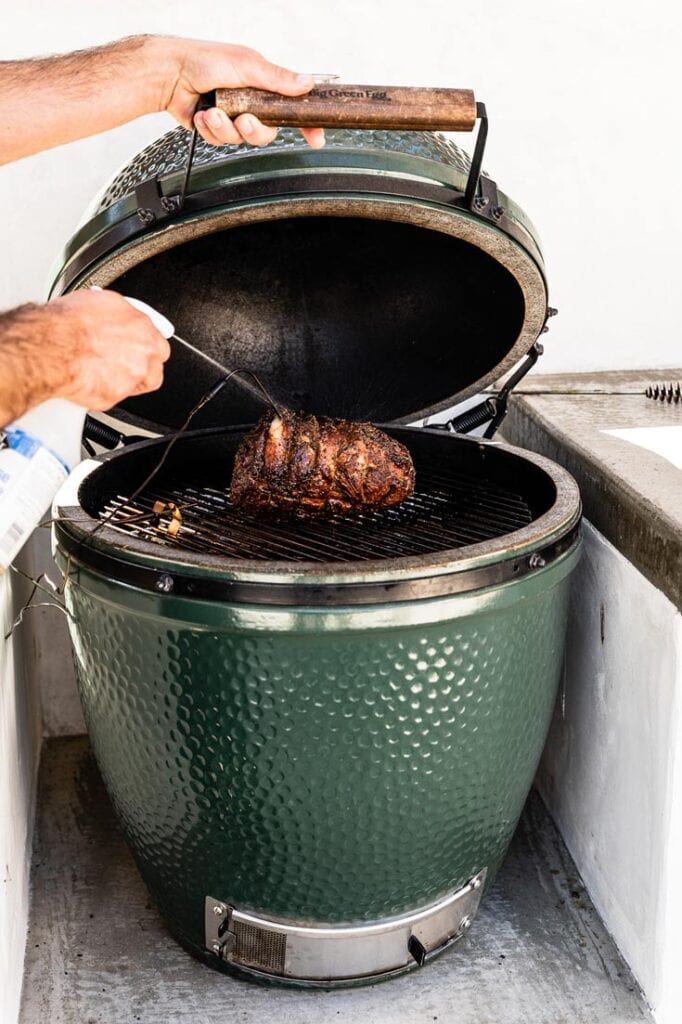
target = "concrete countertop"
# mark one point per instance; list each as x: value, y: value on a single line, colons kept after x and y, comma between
x: 631, y: 485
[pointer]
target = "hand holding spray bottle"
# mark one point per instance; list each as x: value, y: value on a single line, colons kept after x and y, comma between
x: 42, y: 447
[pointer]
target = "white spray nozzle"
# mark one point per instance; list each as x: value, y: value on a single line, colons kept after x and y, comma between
x: 162, y: 324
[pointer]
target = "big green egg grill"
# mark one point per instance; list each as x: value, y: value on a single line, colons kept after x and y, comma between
x: 318, y: 735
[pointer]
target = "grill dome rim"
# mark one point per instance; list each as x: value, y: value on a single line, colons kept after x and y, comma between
x: 509, y: 253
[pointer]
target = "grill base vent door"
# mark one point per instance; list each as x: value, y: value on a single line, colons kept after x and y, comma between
x: 325, y: 955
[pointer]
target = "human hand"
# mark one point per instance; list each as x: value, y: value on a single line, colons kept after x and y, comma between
x: 108, y: 350
x: 198, y: 67
x: 91, y: 347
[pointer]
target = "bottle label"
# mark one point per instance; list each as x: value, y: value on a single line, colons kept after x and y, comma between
x: 30, y: 476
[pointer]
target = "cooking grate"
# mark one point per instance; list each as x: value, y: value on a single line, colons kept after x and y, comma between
x: 448, y: 510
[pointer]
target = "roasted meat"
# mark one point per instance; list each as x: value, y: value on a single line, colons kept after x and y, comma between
x: 311, y: 465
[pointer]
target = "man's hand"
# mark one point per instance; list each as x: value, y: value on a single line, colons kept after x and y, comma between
x: 91, y: 347
x: 200, y: 67
x: 83, y: 93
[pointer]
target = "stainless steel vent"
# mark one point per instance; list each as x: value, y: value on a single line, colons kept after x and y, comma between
x: 258, y: 948
x: 324, y: 955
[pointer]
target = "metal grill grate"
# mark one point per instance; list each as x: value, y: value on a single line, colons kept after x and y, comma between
x: 448, y: 510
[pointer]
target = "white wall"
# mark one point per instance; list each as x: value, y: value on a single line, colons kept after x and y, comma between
x: 612, y: 769
x: 582, y: 97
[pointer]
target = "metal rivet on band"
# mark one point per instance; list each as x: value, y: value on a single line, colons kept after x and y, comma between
x: 146, y: 216
x: 165, y: 583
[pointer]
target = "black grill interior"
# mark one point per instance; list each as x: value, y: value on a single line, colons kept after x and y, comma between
x: 465, y: 493
x: 341, y: 316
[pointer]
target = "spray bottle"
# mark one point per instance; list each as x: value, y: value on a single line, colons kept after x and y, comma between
x: 41, y: 448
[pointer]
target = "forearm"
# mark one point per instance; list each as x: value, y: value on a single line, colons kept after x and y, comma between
x: 28, y: 374
x: 53, y: 100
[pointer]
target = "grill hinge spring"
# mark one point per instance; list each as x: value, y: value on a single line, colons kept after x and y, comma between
x: 667, y: 391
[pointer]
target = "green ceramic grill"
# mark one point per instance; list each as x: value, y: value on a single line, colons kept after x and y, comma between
x: 319, y: 735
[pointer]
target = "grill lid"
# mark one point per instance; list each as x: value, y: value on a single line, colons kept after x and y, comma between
x: 351, y: 279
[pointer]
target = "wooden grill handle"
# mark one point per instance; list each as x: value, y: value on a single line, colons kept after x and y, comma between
x: 356, y: 106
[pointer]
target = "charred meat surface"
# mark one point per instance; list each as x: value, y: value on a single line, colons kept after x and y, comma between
x: 311, y: 465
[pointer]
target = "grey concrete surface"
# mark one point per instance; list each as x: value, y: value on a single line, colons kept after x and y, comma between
x: 98, y: 952
x: 633, y: 496
x: 598, y: 382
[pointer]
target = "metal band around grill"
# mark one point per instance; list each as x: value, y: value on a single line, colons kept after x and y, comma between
x: 169, y: 581
x: 324, y: 955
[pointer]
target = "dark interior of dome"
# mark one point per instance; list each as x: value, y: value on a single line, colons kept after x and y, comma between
x: 366, y: 319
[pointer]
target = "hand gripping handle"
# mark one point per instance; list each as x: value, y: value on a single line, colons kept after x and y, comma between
x: 356, y: 106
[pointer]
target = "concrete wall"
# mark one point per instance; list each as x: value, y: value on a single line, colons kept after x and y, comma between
x: 52, y: 657
x: 612, y: 770
x: 20, y: 735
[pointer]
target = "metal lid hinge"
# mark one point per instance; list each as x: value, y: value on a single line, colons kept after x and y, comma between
x: 493, y: 408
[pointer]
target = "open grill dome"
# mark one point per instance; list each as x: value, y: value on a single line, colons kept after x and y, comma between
x: 350, y: 279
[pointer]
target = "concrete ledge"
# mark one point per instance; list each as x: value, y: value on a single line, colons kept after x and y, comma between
x: 612, y: 772
x: 632, y: 495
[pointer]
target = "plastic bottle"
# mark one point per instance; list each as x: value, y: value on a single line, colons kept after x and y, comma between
x: 42, y: 447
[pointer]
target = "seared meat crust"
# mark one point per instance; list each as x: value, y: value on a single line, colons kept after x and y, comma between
x: 311, y: 465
